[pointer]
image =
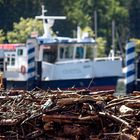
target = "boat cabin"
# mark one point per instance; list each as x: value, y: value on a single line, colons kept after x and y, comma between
x: 53, y: 53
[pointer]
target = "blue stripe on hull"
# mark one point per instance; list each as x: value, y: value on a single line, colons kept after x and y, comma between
x: 94, y: 84
x: 30, y: 70
x: 80, y: 83
x: 21, y: 85
x: 31, y: 60
x: 31, y: 50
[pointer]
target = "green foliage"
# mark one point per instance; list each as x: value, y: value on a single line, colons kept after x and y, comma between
x: 89, y: 31
x: 137, y: 42
x: 81, y: 12
x: 101, y: 46
x: 2, y: 36
x: 23, y: 29
x: 134, y: 12
x: 108, y: 10
x: 12, y: 10
x: 77, y: 12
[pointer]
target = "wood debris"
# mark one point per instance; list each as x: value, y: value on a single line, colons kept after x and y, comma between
x: 69, y: 115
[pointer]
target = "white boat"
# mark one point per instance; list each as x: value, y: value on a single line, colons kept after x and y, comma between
x: 51, y: 62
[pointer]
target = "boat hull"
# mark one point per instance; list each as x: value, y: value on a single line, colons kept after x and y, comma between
x: 95, y: 84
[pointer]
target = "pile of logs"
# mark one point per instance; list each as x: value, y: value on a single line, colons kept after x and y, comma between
x: 69, y: 115
x: 20, y: 115
x: 92, y: 116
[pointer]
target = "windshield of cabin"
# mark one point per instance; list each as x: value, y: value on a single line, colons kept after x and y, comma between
x: 50, y: 54
x: 66, y: 52
x: 79, y: 52
x: 75, y: 51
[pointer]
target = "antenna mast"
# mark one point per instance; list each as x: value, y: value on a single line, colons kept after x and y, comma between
x: 50, y: 22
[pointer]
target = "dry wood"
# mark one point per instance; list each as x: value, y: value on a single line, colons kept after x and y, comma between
x: 136, y: 93
x: 102, y: 92
x: 9, y: 121
x: 119, y: 99
x: 115, y: 118
x: 119, y: 136
x: 69, y: 119
x: 72, y: 115
x: 122, y: 102
x: 133, y: 104
x: 70, y: 101
x: 76, y: 129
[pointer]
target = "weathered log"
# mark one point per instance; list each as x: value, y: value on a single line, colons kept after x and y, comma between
x: 9, y: 121
x: 70, y: 119
x: 115, y: 118
x: 104, y: 92
x: 34, y: 134
x: 124, y: 116
x: 76, y: 129
x: 137, y: 133
x: 123, y: 98
x: 136, y: 93
x: 119, y: 136
x: 69, y: 101
x: 122, y: 102
x: 68, y: 95
x: 83, y: 92
x: 105, y: 98
x: 133, y: 104
x: 110, y: 105
x: 66, y: 101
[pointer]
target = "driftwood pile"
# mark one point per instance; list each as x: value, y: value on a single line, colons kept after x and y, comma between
x: 20, y: 115
x: 69, y: 115
x: 92, y: 116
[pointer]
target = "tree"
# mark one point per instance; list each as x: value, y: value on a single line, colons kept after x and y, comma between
x: 81, y: 12
x: 76, y: 11
x: 2, y: 36
x: 23, y: 29
x: 11, y: 11
x: 101, y: 47
x: 134, y: 18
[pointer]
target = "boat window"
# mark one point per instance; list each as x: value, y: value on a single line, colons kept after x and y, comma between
x: 20, y: 52
x: 79, y: 52
x: 8, y: 61
x: 69, y: 52
x: 13, y: 60
x: 1, y: 64
x: 66, y: 52
x: 49, y: 54
x: 61, y: 53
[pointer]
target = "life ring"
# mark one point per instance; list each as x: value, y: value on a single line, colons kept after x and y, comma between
x: 23, y: 69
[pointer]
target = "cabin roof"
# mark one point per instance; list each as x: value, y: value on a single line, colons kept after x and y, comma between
x: 66, y: 43
x: 9, y: 46
x: 64, y: 40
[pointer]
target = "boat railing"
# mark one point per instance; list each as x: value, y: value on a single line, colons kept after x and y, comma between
x: 73, y: 61
x: 107, y: 58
